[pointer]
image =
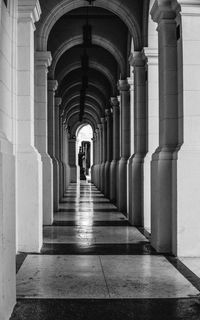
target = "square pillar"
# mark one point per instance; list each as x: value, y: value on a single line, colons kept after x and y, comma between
x: 164, y: 159
x: 28, y: 160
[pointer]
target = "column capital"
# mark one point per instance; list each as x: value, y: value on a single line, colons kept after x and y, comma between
x: 114, y: 102
x: 52, y: 85
x: 164, y: 10
x: 108, y: 113
x: 96, y: 131
x: 58, y: 101
x: 137, y: 59
x: 151, y: 55
x: 29, y: 10
x: 100, y: 126
x: 43, y: 58
x: 103, y: 119
x: 123, y: 85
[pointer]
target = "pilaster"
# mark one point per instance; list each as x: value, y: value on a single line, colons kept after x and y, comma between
x: 124, y: 89
x: 42, y: 62
x: 153, y: 128
x: 116, y: 149
x: 28, y: 161
x: 109, y: 153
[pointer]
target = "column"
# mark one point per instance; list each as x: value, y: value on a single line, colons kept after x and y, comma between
x: 124, y: 89
x: 100, y: 127
x: 130, y: 160
x: 153, y: 129
x: 109, y: 153
x: 97, y: 158
x: 164, y: 159
x: 138, y: 61
x: 116, y: 146
x: 93, y: 168
x: 188, y: 173
x: 64, y: 155
x: 64, y: 179
x: 58, y: 102
x: 104, y: 154
x: 28, y: 161
x: 72, y: 159
x: 42, y: 61
x: 52, y: 87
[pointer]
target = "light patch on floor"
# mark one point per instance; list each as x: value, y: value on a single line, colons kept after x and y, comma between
x: 84, y: 216
x: 76, y: 276
x: 92, y: 235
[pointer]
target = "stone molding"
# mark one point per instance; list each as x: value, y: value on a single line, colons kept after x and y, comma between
x: 43, y: 59
x: 151, y: 55
x: 29, y: 11
x: 52, y: 85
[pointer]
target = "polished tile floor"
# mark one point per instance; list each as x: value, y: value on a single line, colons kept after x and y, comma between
x: 94, y: 265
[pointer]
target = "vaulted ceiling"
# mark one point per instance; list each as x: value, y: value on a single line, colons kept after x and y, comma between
x: 90, y: 45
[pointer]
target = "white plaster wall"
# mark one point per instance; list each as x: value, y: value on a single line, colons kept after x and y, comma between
x: 8, y: 38
x: 188, y: 170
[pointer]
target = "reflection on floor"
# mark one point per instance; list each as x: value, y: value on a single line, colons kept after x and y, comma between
x: 94, y: 265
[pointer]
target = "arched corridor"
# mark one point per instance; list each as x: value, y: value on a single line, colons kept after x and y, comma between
x: 99, y: 159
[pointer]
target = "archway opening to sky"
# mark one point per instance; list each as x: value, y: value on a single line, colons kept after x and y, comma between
x: 84, y: 151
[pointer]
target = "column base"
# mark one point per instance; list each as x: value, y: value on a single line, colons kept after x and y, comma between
x: 7, y: 229
x: 147, y: 192
x: 113, y: 181
x: 47, y: 189
x: 29, y: 200
x: 136, y: 217
x: 56, y: 195
x: 107, y: 179
x: 73, y: 173
x: 122, y: 188
x: 101, y: 176
x: 129, y: 186
x: 163, y: 199
x: 97, y: 174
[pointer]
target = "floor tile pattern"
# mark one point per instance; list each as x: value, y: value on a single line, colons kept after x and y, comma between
x: 94, y: 265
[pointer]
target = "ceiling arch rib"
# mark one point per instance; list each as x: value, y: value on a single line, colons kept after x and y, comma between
x: 74, y: 118
x: 91, y: 84
x: 118, y: 8
x: 75, y: 98
x: 95, y: 96
x: 96, y: 40
x: 88, y: 108
x: 93, y: 65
